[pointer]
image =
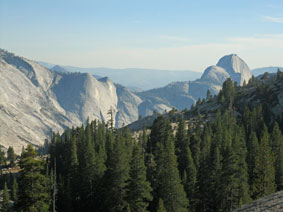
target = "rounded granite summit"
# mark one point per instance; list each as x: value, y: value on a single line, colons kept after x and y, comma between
x: 215, y: 74
x: 236, y: 67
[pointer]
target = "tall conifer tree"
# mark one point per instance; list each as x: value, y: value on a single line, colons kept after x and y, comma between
x: 189, y: 181
x: 117, y: 176
x: 6, y: 199
x: 33, y: 194
x: 181, y: 145
x: 170, y: 189
x: 264, y: 173
x: 161, y: 207
x: 139, y: 188
x: 277, y: 145
x: 14, y: 190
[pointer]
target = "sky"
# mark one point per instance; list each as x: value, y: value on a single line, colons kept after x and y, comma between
x: 158, y: 34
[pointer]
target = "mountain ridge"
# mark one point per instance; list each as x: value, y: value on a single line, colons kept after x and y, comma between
x: 136, y: 77
x: 53, y: 100
x: 212, y: 79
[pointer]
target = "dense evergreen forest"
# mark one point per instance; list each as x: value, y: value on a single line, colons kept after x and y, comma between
x: 216, y: 166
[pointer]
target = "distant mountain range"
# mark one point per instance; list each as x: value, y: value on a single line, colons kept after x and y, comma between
x: 266, y: 91
x: 35, y: 100
x: 138, y: 80
x: 271, y: 69
x: 141, y: 79
x: 182, y: 95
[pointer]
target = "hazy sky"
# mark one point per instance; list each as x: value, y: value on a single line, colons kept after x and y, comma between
x: 161, y: 34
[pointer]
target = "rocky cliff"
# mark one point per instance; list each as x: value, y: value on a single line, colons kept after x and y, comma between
x: 35, y: 100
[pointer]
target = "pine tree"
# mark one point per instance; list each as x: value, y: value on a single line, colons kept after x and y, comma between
x: 160, y: 131
x: 203, y: 199
x: 205, y: 142
x: 208, y: 95
x: 228, y: 92
x: 159, y: 134
x: 109, y: 145
x: 87, y: 168
x: 143, y: 138
x: 214, y: 175
x: 63, y: 196
x: 117, y: 176
x: 161, y: 207
x: 253, y: 148
x: 73, y: 183
x: 189, y: 181
x: 14, y: 191
x: 276, y: 139
x: 100, y: 143
x: 181, y: 145
x: 128, y: 208
x: 264, y: 173
x: 234, y: 180
x: 6, y: 199
x: 195, y: 142
x: 139, y: 188
x: 11, y: 156
x: 227, y: 189
x: 276, y: 145
x: 151, y: 175
x: 2, y: 158
x: 93, y: 169
x: 33, y: 195
x: 170, y: 188
x: 241, y: 174
x: 74, y: 163
x: 279, y: 169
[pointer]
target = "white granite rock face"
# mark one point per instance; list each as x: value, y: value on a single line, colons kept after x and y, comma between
x: 28, y: 112
x: 236, y: 68
x: 35, y: 100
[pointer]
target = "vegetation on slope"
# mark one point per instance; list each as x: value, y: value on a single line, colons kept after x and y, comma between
x: 234, y: 158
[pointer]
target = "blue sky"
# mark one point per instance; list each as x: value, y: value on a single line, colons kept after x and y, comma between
x: 161, y: 34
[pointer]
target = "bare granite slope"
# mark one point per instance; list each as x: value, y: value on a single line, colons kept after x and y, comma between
x: 35, y: 101
x: 28, y: 112
x: 273, y: 202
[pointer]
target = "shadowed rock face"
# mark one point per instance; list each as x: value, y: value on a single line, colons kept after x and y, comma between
x: 127, y: 107
x: 273, y: 202
x: 84, y: 96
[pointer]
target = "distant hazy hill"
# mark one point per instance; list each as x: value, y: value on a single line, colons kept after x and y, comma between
x: 141, y: 78
x: 137, y: 78
x: 59, y: 69
x: 271, y: 69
